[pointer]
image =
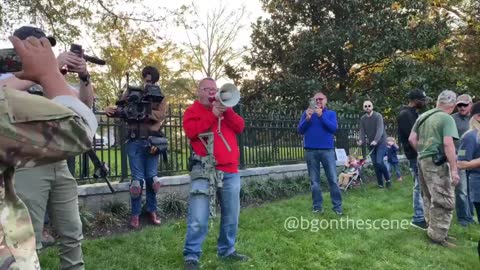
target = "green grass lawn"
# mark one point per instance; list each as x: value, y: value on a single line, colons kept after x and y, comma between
x: 263, y: 237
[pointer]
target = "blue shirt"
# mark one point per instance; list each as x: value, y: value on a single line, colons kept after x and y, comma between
x: 392, y: 154
x: 318, y: 132
x: 469, y: 148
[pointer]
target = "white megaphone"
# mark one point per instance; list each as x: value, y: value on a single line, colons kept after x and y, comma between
x: 228, y: 95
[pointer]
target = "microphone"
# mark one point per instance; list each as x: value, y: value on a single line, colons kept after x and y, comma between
x: 94, y: 60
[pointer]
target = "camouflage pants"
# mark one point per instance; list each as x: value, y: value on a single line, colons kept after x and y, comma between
x: 17, y: 240
x: 438, y: 197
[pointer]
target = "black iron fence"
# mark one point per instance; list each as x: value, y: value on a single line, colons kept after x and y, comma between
x: 269, y: 138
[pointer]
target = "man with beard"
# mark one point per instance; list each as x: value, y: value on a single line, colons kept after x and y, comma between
x: 462, y: 200
x: 372, y: 133
x: 406, y: 119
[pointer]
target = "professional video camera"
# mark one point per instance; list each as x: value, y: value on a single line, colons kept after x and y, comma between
x: 137, y: 106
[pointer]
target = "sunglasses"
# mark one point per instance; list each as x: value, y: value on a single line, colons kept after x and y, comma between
x: 319, y: 99
x: 367, y: 106
x: 462, y: 105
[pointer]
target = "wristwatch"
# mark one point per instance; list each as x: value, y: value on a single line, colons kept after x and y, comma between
x: 84, y: 78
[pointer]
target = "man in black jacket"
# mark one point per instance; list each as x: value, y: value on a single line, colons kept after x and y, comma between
x: 406, y: 119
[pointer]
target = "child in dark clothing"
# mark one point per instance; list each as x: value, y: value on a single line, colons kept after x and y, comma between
x: 392, y: 150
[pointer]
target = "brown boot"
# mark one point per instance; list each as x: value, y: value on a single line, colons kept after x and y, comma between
x: 450, y: 238
x: 154, y: 219
x: 444, y: 243
x: 135, y: 222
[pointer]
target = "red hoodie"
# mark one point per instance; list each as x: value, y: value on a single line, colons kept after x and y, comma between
x: 199, y: 119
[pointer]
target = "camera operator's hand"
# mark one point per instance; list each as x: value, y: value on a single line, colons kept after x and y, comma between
x: 153, y: 150
x: 309, y: 113
x: 110, y: 111
x: 76, y: 64
x: 218, y: 108
x: 38, y: 60
x: 319, y: 111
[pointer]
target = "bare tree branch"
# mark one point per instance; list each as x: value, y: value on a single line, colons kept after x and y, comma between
x: 215, y: 36
x: 109, y: 11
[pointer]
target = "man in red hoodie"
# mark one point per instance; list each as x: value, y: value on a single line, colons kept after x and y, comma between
x: 202, y: 117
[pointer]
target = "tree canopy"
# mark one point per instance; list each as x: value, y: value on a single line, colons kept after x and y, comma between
x: 352, y: 50
x: 340, y: 47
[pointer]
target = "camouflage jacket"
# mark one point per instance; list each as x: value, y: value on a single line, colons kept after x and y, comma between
x: 33, y: 131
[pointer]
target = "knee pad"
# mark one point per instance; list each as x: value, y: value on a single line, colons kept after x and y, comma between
x: 135, y: 189
x: 156, y: 184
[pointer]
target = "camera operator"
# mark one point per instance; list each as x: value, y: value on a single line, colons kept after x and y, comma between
x: 55, y: 188
x: 143, y: 157
x: 48, y: 131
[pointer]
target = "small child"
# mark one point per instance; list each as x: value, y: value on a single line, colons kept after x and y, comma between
x: 352, y: 169
x: 392, y: 149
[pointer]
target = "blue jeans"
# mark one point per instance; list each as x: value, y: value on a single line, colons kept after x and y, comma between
x: 417, y: 194
x: 143, y: 166
x: 377, y: 156
x: 462, y: 203
x: 394, y: 167
x: 327, y: 158
x: 198, y: 216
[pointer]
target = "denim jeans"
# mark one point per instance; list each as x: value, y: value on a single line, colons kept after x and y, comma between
x: 462, y: 203
x: 377, y: 156
x: 198, y: 217
x: 393, y: 167
x: 143, y: 166
x: 327, y: 158
x: 417, y: 194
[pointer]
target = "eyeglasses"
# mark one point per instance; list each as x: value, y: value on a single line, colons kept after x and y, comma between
x: 462, y: 105
x: 319, y: 99
x: 367, y: 106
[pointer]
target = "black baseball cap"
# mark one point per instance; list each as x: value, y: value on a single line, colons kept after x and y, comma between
x: 29, y: 31
x: 417, y: 94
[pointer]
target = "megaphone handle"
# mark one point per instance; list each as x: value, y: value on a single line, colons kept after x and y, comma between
x: 221, y: 135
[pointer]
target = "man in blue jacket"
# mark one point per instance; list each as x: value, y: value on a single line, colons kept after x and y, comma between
x: 318, y: 126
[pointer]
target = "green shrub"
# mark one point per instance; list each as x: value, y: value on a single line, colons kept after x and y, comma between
x: 106, y: 219
x: 173, y: 204
x: 116, y: 208
x: 258, y: 190
x: 87, y: 218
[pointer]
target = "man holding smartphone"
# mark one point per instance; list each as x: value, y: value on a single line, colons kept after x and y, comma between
x: 318, y: 125
x: 55, y: 188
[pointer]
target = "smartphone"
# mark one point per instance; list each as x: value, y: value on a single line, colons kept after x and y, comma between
x: 9, y: 61
x: 313, y: 104
x: 76, y: 49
